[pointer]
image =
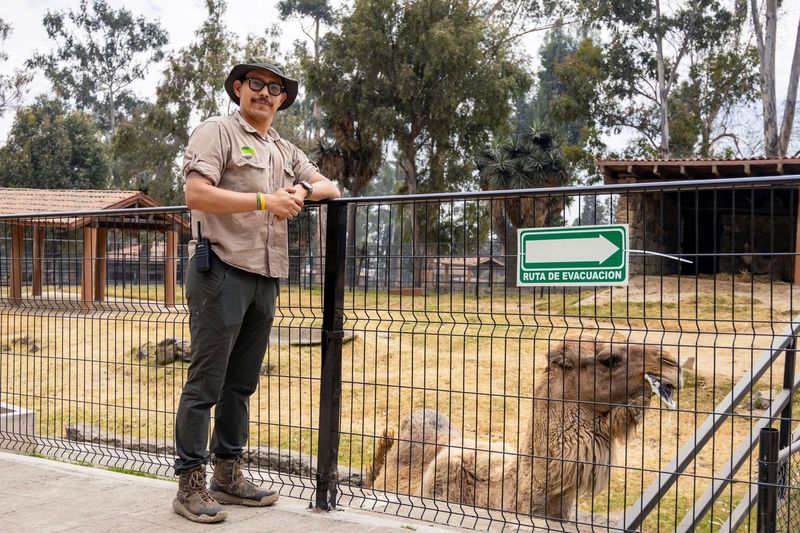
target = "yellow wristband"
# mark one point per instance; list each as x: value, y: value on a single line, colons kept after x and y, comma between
x: 259, y: 202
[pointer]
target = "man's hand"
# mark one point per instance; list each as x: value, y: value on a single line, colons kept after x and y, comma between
x: 300, y: 194
x: 285, y: 203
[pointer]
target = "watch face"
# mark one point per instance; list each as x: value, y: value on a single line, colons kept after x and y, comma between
x: 306, y: 185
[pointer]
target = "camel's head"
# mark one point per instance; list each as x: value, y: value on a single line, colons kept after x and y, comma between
x: 605, y: 375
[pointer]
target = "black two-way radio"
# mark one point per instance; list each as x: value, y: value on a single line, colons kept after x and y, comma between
x: 202, y: 252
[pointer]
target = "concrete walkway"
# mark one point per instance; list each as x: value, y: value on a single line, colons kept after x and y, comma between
x: 42, y: 495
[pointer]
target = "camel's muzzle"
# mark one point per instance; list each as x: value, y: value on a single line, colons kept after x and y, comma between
x: 662, y: 389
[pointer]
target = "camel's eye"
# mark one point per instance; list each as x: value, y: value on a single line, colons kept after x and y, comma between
x: 612, y: 362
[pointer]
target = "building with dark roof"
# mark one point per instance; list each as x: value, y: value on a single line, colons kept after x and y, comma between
x: 725, y: 230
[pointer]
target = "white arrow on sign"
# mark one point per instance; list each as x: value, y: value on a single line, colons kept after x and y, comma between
x: 596, y: 249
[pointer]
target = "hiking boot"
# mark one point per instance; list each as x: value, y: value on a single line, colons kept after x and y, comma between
x: 193, y: 500
x: 229, y: 486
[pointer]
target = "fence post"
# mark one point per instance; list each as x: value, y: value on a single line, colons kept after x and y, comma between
x: 788, y: 383
x: 331, y: 375
x: 767, y: 480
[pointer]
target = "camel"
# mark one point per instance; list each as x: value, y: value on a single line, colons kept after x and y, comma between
x: 589, y: 400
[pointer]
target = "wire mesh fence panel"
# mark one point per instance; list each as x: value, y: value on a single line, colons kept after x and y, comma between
x: 470, y: 400
x: 575, y: 401
x: 95, y: 344
x: 788, y: 497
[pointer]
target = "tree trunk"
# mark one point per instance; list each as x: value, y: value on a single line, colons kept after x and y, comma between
x: 791, y: 95
x: 112, y: 126
x: 315, y: 113
x: 662, y: 86
x: 412, y: 186
x: 765, y: 37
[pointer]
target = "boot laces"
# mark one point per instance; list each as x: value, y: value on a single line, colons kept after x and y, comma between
x: 197, y: 484
x: 236, y: 474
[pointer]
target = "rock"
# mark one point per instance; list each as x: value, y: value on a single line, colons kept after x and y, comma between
x: 143, y: 352
x: 286, y: 461
x: 759, y: 402
x: 92, y: 434
x: 172, y: 349
x: 27, y: 341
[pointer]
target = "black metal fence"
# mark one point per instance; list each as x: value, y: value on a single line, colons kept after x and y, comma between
x: 408, y: 373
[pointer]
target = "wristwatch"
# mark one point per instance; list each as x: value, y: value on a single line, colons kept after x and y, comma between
x: 307, y: 186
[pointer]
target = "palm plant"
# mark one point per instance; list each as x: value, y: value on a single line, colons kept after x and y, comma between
x: 530, y: 160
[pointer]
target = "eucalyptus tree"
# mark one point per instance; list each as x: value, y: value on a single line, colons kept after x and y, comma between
x: 98, y: 53
x: 646, y: 48
x: 320, y: 13
x: 430, y: 77
x: 155, y: 134
x: 764, y: 16
x: 13, y: 85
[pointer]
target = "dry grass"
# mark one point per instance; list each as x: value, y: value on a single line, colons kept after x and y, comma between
x: 472, y: 356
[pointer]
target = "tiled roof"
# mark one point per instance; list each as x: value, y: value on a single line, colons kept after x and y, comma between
x: 15, y: 201
x: 20, y: 201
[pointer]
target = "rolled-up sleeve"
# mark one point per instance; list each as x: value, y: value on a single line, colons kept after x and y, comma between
x: 303, y: 167
x: 206, y: 151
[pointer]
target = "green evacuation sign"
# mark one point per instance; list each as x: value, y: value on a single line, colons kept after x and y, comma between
x: 583, y: 255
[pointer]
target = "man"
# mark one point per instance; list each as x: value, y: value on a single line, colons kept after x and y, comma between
x: 243, y: 183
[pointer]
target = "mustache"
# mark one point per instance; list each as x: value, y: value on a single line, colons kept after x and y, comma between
x: 259, y: 100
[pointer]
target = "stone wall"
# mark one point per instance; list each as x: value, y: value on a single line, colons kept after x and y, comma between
x: 653, y: 223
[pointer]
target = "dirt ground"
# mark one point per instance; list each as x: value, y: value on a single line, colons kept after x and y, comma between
x: 473, y: 356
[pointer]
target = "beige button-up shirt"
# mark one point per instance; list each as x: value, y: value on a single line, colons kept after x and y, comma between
x: 234, y: 156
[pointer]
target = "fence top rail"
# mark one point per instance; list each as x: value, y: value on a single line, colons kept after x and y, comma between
x: 790, y: 450
x: 601, y: 189
x: 693, y: 185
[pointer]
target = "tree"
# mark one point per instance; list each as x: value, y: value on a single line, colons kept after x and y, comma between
x: 553, y: 104
x: 320, y: 12
x: 11, y: 86
x: 145, y: 149
x: 776, y: 142
x: 644, y: 56
x: 99, y: 53
x: 703, y: 105
x: 425, y: 75
x: 433, y: 80
x: 532, y: 159
x: 51, y: 148
x: 154, y: 135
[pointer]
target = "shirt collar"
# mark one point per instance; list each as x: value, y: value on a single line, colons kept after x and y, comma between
x: 271, y: 133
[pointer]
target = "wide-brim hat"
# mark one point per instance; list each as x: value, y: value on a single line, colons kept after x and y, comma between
x: 239, y: 71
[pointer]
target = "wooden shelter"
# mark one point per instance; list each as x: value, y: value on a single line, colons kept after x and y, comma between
x: 694, y: 224
x: 14, y: 201
x: 643, y: 170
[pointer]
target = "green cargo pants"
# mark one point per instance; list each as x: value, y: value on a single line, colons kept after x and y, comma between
x: 230, y: 316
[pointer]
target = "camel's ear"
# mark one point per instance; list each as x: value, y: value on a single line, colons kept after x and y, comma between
x: 558, y: 356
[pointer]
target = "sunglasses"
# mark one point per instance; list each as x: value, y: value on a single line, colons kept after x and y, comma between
x: 257, y: 85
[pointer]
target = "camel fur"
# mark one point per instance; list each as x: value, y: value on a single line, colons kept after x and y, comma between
x: 589, y: 400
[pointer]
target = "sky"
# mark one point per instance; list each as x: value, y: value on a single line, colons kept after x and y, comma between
x: 181, y: 18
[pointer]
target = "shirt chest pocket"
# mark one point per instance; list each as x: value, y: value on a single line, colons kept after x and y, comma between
x: 288, y: 177
x: 247, y: 175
